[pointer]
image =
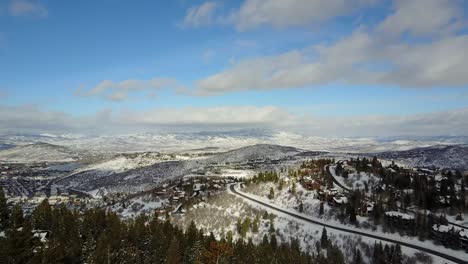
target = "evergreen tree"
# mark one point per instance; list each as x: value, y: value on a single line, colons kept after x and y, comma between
x: 4, y: 211
x: 357, y: 258
x: 229, y: 237
x: 272, y: 194
x: 173, y: 253
x: 255, y: 224
x: 324, y: 238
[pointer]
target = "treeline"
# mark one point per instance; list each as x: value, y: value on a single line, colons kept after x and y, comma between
x: 316, y: 163
x: 99, y: 236
x: 267, y: 176
x: 361, y: 165
x: 386, y: 254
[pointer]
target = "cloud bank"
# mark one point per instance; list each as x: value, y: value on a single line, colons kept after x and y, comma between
x: 119, y: 91
x: 31, y: 119
x: 412, y: 47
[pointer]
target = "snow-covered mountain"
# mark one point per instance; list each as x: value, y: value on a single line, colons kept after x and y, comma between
x: 39, y: 152
x: 139, y: 173
x: 224, y: 141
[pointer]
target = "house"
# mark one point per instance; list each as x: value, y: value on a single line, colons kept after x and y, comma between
x: 311, y: 184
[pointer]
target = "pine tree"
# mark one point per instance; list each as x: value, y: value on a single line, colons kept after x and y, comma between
x: 357, y: 258
x: 229, y: 237
x: 191, y: 234
x: 173, y: 253
x: 324, y: 238
x: 255, y: 224
x: 245, y: 226
x: 272, y: 194
x: 272, y: 226
x: 4, y: 211
x: 17, y: 218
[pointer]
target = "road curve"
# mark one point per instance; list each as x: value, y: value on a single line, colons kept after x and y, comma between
x: 344, y: 229
x: 347, y: 189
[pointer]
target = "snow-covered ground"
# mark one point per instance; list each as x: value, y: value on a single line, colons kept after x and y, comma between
x: 356, y: 181
x: 144, y: 204
x: 164, y: 142
x: 39, y: 152
x: 411, y: 240
x: 239, y: 174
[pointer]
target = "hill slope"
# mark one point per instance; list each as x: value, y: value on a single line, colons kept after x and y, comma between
x: 259, y: 151
x: 39, y: 152
x: 454, y: 157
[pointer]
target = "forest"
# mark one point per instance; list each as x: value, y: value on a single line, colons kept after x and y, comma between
x: 58, y: 235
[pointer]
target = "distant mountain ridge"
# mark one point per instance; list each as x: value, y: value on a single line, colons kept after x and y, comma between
x: 258, y: 151
x: 229, y: 140
x: 442, y: 156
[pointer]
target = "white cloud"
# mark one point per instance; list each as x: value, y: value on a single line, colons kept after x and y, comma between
x: 31, y: 119
x: 276, y: 13
x: 27, y: 8
x: 368, y: 56
x: 226, y: 115
x: 423, y: 17
x: 200, y: 15
x: 119, y: 91
x: 280, y: 14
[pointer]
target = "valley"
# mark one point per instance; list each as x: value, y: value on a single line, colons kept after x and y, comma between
x: 406, y: 198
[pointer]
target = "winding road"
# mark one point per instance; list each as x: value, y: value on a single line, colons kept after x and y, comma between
x: 348, y: 190
x: 349, y: 230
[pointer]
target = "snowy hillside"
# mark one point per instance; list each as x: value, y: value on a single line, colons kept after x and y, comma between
x: 224, y: 141
x: 133, y: 180
x: 144, y: 171
x: 260, y: 151
x: 39, y: 152
x: 455, y: 157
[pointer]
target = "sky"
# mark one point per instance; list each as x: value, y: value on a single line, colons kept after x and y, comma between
x: 315, y: 67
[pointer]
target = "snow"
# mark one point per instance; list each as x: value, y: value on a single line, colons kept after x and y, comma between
x: 398, y: 214
x: 144, y: 204
x: 240, y: 174
x: 356, y: 180
x: 41, y: 236
x: 448, y: 228
x: 39, y: 152
x: 197, y: 187
x: 222, y: 141
x: 407, y: 239
x: 340, y: 200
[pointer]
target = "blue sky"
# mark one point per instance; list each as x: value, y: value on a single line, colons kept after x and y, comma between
x: 280, y: 64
